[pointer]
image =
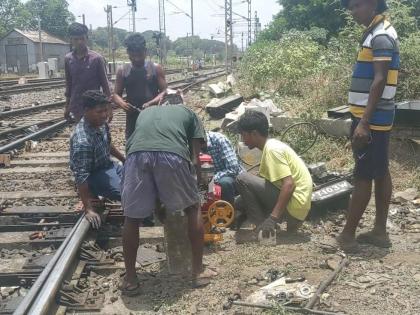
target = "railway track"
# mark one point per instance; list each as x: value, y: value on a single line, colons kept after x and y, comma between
x: 49, y: 258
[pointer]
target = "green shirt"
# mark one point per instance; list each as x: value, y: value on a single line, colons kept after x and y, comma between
x: 166, y: 128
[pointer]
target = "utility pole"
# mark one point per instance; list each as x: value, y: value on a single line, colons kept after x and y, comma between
x: 257, y: 26
x: 192, y: 18
x: 84, y: 19
x: 133, y: 5
x: 249, y: 24
x: 162, y: 30
x: 110, y: 29
x: 41, y: 50
x: 228, y: 34
x: 242, y: 39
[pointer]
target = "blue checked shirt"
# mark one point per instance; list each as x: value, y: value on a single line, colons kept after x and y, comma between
x: 224, y: 157
x: 89, y: 150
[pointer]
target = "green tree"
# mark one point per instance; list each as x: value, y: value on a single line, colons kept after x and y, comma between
x: 55, y: 16
x: 13, y: 15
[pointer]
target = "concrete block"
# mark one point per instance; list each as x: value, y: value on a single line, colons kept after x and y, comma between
x: 218, y: 109
x: 177, y: 244
x: 216, y: 90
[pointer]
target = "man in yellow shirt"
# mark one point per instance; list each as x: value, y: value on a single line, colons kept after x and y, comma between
x: 283, y: 190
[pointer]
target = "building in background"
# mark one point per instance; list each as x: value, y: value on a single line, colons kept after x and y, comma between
x: 19, y: 51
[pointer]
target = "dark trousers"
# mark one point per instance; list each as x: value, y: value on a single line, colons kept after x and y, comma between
x: 228, y: 188
x: 106, y: 182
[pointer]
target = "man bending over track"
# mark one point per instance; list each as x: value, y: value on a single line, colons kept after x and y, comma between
x: 162, y: 157
x: 90, y: 149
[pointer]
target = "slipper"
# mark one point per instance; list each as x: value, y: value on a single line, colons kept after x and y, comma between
x: 131, y: 291
x: 349, y: 247
x: 374, y: 239
x: 203, y: 279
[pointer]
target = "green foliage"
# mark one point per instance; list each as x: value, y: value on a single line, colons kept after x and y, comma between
x: 55, y: 16
x: 409, y: 86
x: 402, y: 17
x: 283, y: 63
x: 13, y: 15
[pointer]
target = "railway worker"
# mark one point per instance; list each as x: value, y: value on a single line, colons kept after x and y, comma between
x: 143, y: 81
x: 90, y: 150
x: 226, y: 164
x: 84, y: 70
x: 372, y: 106
x: 162, y: 160
x: 283, y: 189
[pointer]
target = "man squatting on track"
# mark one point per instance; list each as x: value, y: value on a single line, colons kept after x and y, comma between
x: 90, y: 149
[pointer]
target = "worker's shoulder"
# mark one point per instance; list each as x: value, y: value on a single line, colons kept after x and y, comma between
x: 80, y: 135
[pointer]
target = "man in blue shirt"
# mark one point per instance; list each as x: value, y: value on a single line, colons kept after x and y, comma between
x: 90, y: 155
x: 226, y: 165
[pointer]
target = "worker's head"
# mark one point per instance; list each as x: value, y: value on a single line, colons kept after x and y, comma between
x: 253, y: 126
x: 78, y: 34
x: 363, y: 11
x: 136, y: 49
x: 172, y: 97
x: 96, y: 107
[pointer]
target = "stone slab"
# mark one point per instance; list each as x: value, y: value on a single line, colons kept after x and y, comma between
x: 44, y: 162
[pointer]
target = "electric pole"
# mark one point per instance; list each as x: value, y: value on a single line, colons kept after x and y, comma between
x: 242, y: 39
x: 192, y: 18
x: 110, y: 29
x: 41, y: 50
x: 228, y: 34
x: 133, y: 5
x: 162, y: 30
x: 84, y: 19
x: 257, y: 26
x: 249, y: 24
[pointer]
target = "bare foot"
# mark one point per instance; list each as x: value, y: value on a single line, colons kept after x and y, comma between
x: 130, y: 287
x: 378, y: 239
x: 203, y: 279
x: 347, y: 243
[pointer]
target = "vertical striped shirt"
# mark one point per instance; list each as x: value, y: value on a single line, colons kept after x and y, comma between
x: 380, y: 43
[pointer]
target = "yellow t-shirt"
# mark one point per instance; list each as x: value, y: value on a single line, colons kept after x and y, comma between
x: 279, y: 161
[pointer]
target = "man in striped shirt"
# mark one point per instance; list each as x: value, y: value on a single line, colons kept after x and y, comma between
x: 372, y: 106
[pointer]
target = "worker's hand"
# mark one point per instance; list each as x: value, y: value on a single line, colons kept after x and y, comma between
x: 93, y: 218
x: 268, y: 227
x: 361, y: 136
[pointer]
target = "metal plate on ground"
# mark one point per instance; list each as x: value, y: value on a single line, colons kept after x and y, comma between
x: 147, y: 255
x: 331, y: 191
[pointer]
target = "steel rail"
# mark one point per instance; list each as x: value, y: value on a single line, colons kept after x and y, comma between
x: 33, y: 293
x: 29, y: 109
x: 40, y: 133
x: 20, y: 128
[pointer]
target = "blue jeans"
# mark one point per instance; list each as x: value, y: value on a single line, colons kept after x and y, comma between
x: 228, y: 188
x: 106, y: 182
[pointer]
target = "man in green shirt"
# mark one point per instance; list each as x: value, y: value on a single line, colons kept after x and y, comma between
x: 163, y: 158
x: 284, y: 188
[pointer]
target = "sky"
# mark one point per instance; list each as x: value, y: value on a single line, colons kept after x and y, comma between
x: 208, y: 15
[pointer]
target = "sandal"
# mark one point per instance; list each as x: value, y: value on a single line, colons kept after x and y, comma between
x: 374, y: 239
x: 129, y: 290
x: 203, y: 279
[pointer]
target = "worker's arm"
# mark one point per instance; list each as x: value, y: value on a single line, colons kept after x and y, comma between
x: 81, y: 155
x: 286, y: 193
x: 67, y: 93
x: 161, y: 79
x: 118, y: 92
x: 383, y: 49
x: 361, y: 135
x: 195, y: 156
x: 117, y: 153
x: 91, y: 215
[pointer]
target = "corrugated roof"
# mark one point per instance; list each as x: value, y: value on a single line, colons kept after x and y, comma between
x: 46, y: 38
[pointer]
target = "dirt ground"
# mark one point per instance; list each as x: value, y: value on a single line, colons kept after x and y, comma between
x: 377, y: 281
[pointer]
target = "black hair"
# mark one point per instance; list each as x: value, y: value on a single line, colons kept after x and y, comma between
x: 93, y: 98
x: 77, y: 29
x: 381, y: 8
x: 172, y: 99
x: 253, y: 120
x: 135, y: 43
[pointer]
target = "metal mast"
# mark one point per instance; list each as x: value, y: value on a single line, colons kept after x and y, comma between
x: 249, y: 23
x: 162, y: 30
x: 133, y: 5
x: 228, y: 34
